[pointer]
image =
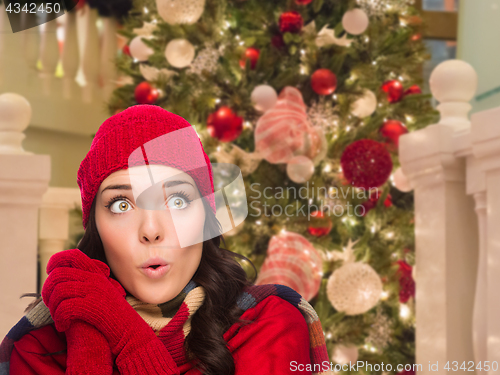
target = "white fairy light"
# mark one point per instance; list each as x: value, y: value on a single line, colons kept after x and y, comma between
x: 237, y: 37
x: 373, y: 229
x: 401, y: 78
x: 227, y: 24
x: 390, y: 235
x: 334, y: 96
x: 218, y: 148
x: 258, y: 222
x: 146, y: 11
x: 384, y: 295
x: 347, y: 128
x: 241, y: 43
x: 221, y: 32
x: 217, y: 100
x: 328, y: 335
x: 374, y: 63
x: 340, y: 169
x: 303, y: 51
x: 344, y: 219
x: 404, y: 311
x: 327, y: 168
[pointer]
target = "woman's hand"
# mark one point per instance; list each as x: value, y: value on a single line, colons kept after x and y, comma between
x: 79, y: 288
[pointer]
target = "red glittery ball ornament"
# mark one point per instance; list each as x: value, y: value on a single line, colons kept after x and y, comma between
x: 303, y: 2
x: 251, y: 54
x: 366, y: 163
x: 224, y: 125
x: 393, y: 129
x: 320, y: 225
x: 415, y: 89
x: 145, y: 93
x: 394, y: 90
x: 291, y: 22
x: 323, y: 81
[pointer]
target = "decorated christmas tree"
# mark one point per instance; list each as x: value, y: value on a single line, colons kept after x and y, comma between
x: 309, y: 99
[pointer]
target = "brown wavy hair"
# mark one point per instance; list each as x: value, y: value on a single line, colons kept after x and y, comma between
x: 219, y: 274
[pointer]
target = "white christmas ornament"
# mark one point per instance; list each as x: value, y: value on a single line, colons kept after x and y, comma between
x: 365, y: 105
x: 344, y: 354
x: 355, y: 21
x: 150, y: 73
x: 179, y: 53
x: 264, y: 97
x: 300, y: 169
x: 355, y: 287
x: 139, y: 50
x: 401, y: 182
x: 180, y: 11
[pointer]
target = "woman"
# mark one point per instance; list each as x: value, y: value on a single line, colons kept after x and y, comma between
x: 149, y: 290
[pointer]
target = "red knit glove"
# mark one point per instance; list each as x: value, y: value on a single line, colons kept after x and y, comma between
x: 79, y: 288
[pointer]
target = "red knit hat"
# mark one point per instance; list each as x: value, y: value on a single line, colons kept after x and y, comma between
x: 121, y: 134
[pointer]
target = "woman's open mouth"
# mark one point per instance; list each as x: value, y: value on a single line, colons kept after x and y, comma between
x: 155, y: 271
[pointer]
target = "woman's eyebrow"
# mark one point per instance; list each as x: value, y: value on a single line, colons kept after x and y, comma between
x: 117, y: 187
x: 128, y: 187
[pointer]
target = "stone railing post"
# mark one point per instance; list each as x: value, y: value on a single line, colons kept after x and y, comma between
x: 24, y: 178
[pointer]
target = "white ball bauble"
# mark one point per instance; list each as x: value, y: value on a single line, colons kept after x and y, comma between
x: 355, y: 21
x: 453, y: 81
x: 365, y: 105
x: 344, y: 354
x: 179, y: 53
x: 139, y: 50
x: 300, y: 169
x: 264, y: 97
x: 180, y: 11
x: 354, y: 288
x: 401, y: 182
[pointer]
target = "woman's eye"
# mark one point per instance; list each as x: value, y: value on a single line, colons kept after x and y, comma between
x: 121, y: 205
x: 177, y: 203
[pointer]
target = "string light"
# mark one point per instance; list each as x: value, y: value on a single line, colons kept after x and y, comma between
x: 237, y: 37
x: 217, y: 100
x: 221, y: 32
x: 218, y: 148
x: 146, y: 11
x: 390, y: 235
x: 404, y: 311
x: 334, y: 96
x: 327, y: 168
x: 241, y: 43
x: 401, y: 78
x: 258, y: 222
x: 373, y: 229
x: 340, y: 169
x: 303, y: 52
x: 384, y: 295
x: 374, y: 63
x: 348, y: 128
x: 328, y: 335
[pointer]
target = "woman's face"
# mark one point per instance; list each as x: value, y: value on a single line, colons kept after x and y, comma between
x: 132, y: 235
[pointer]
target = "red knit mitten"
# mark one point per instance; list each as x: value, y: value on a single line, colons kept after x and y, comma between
x: 79, y: 288
x: 88, y: 351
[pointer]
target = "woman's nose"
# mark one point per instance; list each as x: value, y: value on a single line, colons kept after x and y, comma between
x: 152, y: 229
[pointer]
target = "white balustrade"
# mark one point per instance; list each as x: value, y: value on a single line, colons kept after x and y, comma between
x: 54, y: 223
x: 24, y: 178
x: 454, y: 167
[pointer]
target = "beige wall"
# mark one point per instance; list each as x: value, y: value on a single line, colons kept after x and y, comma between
x: 66, y: 151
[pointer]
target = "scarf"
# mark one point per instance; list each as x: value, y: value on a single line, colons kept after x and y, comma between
x: 171, y: 320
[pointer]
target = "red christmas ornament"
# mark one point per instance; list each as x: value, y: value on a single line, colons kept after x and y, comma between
x: 277, y: 41
x: 323, y: 81
x: 416, y: 37
x: 366, y: 163
x: 372, y: 201
x: 406, y: 282
x: 303, y: 2
x: 224, y: 125
x: 393, y: 129
x: 413, y: 90
x: 126, y: 50
x: 321, y: 225
x: 145, y: 93
x: 251, y: 54
x: 394, y: 90
x: 291, y: 22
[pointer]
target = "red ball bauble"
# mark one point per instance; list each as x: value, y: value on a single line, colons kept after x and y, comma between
x: 413, y: 90
x: 366, y: 163
x: 224, y: 125
x: 323, y: 82
x: 126, y: 50
x: 373, y: 200
x: 251, y: 54
x: 393, y: 129
x: 394, y: 90
x: 145, y: 93
x: 406, y: 282
x: 321, y: 224
x: 303, y: 2
x: 291, y: 22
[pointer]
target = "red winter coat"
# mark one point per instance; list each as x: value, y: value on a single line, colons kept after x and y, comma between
x: 278, y: 336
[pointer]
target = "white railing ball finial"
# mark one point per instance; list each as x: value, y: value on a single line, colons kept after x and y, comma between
x: 15, y: 116
x: 454, y: 83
